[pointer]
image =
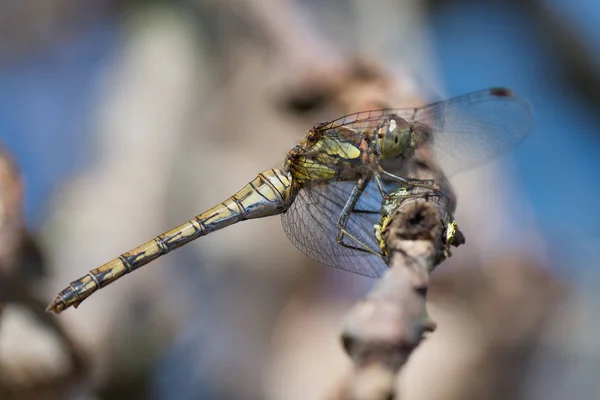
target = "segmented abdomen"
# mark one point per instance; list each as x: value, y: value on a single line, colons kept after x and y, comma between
x: 270, y: 193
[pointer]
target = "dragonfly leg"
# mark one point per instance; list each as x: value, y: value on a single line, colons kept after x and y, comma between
x: 345, y: 216
x: 387, y: 196
x: 366, y: 211
x: 381, y: 189
x: 364, y: 248
x: 427, y: 184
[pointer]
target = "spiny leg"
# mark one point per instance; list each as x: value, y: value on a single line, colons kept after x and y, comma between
x: 345, y: 216
x: 427, y: 184
x: 387, y: 196
x: 366, y: 212
x: 365, y: 249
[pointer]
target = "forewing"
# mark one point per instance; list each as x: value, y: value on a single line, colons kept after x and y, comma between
x: 465, y: 131
x: 311, y: 225
x: 474, y: 128
x: 360, y: 121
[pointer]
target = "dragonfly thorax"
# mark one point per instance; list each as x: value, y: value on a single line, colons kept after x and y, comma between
x: 393, y: 137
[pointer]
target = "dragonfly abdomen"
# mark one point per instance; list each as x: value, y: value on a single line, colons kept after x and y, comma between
x: 270, y: 193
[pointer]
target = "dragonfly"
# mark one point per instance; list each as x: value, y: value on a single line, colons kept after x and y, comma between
x: 332, y: 184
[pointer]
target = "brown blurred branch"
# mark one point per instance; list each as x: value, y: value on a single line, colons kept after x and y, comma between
x: 21, y: 265
x: 51, y: 386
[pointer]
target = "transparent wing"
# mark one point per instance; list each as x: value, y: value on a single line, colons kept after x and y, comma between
x: 464, y: 131
x: 474, y: 128
x: 311, y: 225
x: 358, y: 121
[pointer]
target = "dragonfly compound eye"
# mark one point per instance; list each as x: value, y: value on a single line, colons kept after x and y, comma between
x: 394, y: 137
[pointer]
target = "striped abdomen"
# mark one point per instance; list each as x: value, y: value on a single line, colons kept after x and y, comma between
x: 270, y: 193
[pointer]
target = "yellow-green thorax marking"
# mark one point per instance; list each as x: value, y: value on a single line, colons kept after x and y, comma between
x: 327, y: 155
x: 330, y: 152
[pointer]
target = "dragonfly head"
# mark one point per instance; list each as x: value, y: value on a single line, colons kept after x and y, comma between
x: 393, y: 137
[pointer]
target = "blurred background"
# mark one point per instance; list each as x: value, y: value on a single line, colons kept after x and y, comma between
x: 120, y: 119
